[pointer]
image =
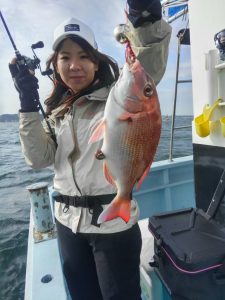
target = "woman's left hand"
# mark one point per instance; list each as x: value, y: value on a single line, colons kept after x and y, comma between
x: 153, y: 10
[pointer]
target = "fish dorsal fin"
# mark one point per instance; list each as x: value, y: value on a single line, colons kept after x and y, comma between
x: 98, y: 132
x: 107, y: 174
x: 139, y: 182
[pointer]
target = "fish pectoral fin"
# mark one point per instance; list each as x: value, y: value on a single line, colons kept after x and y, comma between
x: 116, y: 209
x: 139, y: 182
x: 127, y: 116
x: 98, y: 132
x: 107, y: 174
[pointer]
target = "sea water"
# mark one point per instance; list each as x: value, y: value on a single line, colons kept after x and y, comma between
x: 15, y: 175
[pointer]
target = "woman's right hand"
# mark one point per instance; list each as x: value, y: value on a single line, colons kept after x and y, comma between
x: 27, y: 86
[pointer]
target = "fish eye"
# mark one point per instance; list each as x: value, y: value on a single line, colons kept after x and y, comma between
x: 148, y: 90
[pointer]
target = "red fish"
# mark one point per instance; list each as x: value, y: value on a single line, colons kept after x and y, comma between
x: 131, y: 131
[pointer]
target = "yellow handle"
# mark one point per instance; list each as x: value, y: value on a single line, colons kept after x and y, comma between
x: 222, y: 123
x: 202, y: 121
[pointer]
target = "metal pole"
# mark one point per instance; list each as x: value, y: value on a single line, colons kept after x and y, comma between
x: 175, y: 102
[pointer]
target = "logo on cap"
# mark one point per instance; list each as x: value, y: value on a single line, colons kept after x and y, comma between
x: 72, y: 27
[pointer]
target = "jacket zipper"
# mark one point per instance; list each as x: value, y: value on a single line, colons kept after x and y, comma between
x: 73, y: 135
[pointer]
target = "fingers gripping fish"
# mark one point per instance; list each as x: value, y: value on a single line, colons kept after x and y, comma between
x: 130, y: 130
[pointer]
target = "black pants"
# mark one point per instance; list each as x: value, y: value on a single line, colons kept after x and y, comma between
x: 101, y: 266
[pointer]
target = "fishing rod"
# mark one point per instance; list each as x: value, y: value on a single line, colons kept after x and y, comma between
x: 31, y: 64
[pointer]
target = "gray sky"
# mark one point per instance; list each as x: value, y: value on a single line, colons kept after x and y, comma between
x: 30, y: 21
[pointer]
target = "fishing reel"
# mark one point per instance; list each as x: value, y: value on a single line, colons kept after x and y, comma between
x: 32, y: 63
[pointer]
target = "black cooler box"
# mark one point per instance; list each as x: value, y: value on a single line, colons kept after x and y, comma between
x: 189, y: 254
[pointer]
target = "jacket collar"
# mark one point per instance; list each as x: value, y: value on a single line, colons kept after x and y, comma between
x: 97, y: 95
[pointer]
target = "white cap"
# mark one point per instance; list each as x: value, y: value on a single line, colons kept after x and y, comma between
x: 75, y: 27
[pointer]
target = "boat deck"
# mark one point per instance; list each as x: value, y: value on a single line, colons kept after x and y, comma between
x: 169, y: 186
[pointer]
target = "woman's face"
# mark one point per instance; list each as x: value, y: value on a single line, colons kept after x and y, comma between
x: 74, y: 66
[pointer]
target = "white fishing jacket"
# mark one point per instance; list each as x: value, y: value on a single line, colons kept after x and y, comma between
x: 74, y: 159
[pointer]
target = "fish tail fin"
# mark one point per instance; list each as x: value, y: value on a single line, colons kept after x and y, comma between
x: 118, y: 208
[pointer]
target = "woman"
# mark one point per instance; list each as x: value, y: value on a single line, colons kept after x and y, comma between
x: 99, y: 261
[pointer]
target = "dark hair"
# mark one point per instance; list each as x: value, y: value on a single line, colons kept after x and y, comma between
x: 107, y: 73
